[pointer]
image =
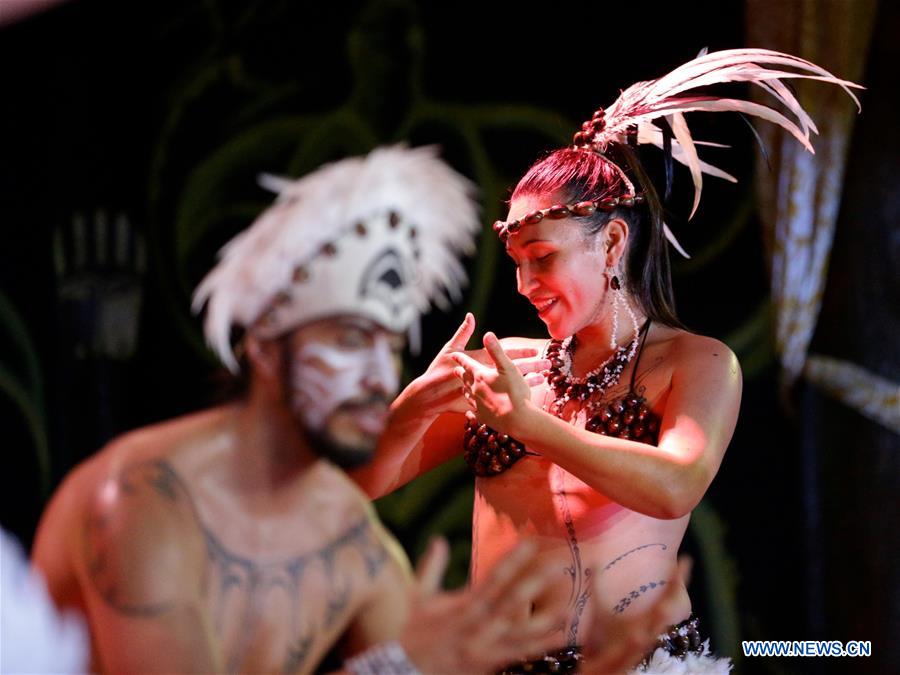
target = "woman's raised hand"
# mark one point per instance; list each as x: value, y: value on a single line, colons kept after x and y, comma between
x: 498, y: 390
x: 438, y: 389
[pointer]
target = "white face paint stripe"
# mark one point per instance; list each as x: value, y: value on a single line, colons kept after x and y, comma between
x: 324, y: 376
x: 333, y: 357
x: 383, y: 367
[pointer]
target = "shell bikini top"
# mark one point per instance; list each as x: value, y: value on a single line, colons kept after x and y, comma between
x: 489, y: 452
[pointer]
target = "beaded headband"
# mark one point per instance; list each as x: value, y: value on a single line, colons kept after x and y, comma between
x: 630, y: 119
x: 560, y: 211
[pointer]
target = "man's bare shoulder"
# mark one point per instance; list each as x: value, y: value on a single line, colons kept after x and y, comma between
x: 157, y: 442
x: 384, y: 608
x: 168, y: 438
x: 143, y: 547
x: 123, y: 508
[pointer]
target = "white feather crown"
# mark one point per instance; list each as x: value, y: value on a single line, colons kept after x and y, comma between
x: 377, y: 236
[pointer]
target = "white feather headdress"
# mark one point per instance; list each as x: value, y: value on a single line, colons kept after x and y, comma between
x: 376, y: 236
x: 631, y: 117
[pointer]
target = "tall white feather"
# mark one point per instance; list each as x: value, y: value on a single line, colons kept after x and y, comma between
x: 644, y: 102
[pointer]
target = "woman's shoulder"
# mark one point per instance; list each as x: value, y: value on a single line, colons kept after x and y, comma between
x: 695, y: 352
x: 685, y: 340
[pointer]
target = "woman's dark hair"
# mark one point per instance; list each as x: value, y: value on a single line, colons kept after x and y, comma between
x: 579, y: 175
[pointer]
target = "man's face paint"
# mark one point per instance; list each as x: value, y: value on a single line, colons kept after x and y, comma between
x: 342, y: 375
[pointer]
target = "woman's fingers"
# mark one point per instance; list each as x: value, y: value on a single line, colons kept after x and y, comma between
x: 532, y: 365
x: 534, y: 379
x: 498, y: 356
x: 521, y: 352
x: 482, y: 356
x: 462, y: 335
x: 467, y: 378
x: 471, y: 403
x: 469, y: 365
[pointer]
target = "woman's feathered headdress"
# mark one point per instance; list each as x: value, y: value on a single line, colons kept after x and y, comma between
x: 634, y: 118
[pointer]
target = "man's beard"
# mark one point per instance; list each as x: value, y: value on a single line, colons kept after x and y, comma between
x: 344, y: 455
x: 341, y: 454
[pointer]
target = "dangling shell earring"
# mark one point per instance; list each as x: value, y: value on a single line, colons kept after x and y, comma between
x: 616, y: 287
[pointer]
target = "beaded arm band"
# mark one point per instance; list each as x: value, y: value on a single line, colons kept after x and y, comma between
x: 385, y: 658
x: 560, y: 211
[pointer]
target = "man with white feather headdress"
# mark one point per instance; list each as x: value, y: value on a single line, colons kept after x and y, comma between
x: 231, y: 539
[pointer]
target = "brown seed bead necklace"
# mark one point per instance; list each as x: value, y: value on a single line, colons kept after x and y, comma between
x: 489, y: 452
x: 585, y: 390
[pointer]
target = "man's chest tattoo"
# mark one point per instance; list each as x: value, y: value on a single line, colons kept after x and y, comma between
x: 295, y: 601
x: 249, y: 587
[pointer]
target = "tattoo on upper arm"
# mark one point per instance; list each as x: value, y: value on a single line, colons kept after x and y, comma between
x: 627, y: 553
x: 138, y: 482
x: 623, y: 604
x: 166, y: 483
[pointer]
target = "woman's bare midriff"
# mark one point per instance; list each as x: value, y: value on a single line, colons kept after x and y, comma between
x: 611, y: 559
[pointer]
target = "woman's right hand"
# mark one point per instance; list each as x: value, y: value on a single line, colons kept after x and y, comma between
x: 438, y: 390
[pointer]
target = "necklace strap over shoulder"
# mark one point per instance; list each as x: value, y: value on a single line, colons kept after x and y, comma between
x: 645, y: 331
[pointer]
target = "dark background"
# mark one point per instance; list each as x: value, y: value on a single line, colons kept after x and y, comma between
x: 166, y: 111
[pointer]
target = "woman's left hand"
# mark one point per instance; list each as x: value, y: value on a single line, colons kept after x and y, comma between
x: 499, y: 395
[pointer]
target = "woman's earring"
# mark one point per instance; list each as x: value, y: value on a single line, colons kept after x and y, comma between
x: 615, y: 286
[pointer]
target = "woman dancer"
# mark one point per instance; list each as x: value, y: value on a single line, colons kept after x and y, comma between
x: 604, y: 455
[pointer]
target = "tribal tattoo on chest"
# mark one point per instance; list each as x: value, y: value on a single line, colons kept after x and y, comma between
x: 235, y: 587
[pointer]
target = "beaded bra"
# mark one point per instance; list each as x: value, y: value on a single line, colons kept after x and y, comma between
x: 489, y: 453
